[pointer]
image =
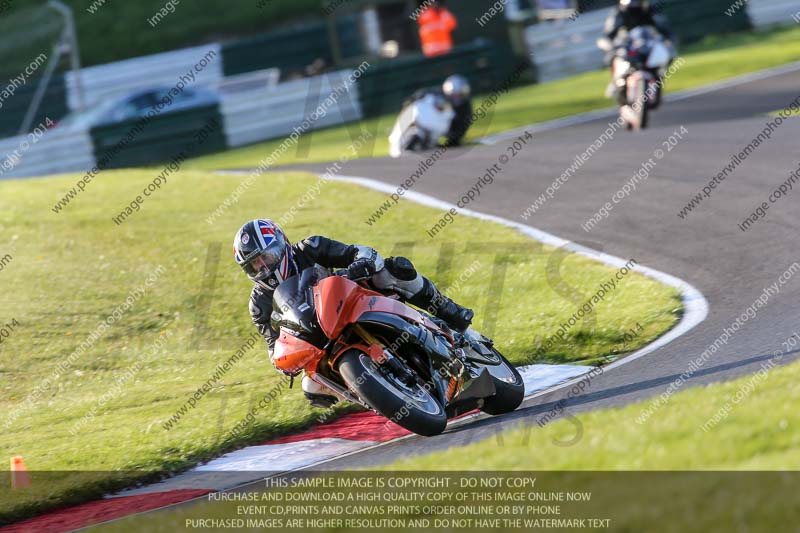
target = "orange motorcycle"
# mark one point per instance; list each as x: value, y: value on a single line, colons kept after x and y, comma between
x: 374, y: 350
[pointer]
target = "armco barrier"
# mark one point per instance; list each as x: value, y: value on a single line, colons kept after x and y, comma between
x: 266, y: 113
x: 118, y: 79
x: 764, y: 13
x: 56, y: 152
x: 385, y: 85
x: 251, y: 110
x: 565, y: 47
x: 160, y: 140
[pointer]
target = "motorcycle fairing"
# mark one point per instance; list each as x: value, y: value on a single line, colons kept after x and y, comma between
x: 340, y: 302
x: 413, y: 334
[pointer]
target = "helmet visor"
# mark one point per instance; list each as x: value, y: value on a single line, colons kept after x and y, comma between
x: 261, y: 265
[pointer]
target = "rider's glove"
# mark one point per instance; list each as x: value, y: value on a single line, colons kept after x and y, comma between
x: 366, y: 261
x: 361, y: 269
x: 369, y: 253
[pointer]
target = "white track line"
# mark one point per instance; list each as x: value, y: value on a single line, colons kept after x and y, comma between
x: 695, y: 304
x: 589, y: 116
x: 239, y: 467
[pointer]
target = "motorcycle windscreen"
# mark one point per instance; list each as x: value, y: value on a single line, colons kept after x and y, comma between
x: 659, y: 56
x: 333, y: 298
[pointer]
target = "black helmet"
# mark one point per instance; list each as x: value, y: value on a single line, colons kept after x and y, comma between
x: 262, y: 250
x: 641, y: 5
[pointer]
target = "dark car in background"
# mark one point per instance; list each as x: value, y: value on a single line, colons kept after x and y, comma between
x: 136, y: 105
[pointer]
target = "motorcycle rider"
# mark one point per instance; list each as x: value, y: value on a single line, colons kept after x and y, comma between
x: 262, y: 250
x: 457, y: 91
x: 629, y: 15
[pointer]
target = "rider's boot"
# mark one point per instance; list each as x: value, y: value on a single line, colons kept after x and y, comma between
x: 429, y: 298
x: 318, y: 395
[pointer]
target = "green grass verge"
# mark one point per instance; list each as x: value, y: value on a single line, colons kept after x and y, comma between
x: 790, y: 113
x: 711, y: 60
x: 69, y: 271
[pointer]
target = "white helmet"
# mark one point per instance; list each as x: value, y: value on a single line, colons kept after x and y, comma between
x: 456, y: 89
x: 625, y: 5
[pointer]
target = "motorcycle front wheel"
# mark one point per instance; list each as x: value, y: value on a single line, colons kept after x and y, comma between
x: 637, y: 103
x: 410, y: 406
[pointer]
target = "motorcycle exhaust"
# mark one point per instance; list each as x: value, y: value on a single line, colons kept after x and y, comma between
x: 341, y: 392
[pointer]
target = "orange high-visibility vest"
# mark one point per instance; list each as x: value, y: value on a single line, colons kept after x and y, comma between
x: 435, y: 31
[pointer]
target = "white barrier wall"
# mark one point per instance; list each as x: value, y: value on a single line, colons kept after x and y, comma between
x: 271, y: 112
x: 117, y: 79
x: 773, y: 12
x: 254, y: 108
x: 56, y: 152
x: 565, y: 47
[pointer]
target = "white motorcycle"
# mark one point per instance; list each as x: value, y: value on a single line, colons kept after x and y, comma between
x: 421, y: 124
x: 639, y: 64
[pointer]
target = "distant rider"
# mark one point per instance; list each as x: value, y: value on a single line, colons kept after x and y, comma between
x: 629, y: 15
x: 457, y: 91
x: 268, y: 258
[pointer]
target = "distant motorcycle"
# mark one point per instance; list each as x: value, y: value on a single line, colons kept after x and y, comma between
x: 378, y: 352
x: 421, y: 124
x: 639, y: 64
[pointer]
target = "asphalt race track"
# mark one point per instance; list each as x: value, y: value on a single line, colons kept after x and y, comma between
x: 707, y: 249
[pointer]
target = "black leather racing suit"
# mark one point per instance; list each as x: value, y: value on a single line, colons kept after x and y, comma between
x: 398, y: 275
x: 624, y: 21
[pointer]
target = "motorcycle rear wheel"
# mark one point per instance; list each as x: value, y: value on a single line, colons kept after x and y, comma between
x: 509, y: 386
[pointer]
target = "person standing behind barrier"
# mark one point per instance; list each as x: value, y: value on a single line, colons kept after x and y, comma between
x: 436, y: 25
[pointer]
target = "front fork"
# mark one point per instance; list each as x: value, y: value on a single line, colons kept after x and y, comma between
x: 638, y: 85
